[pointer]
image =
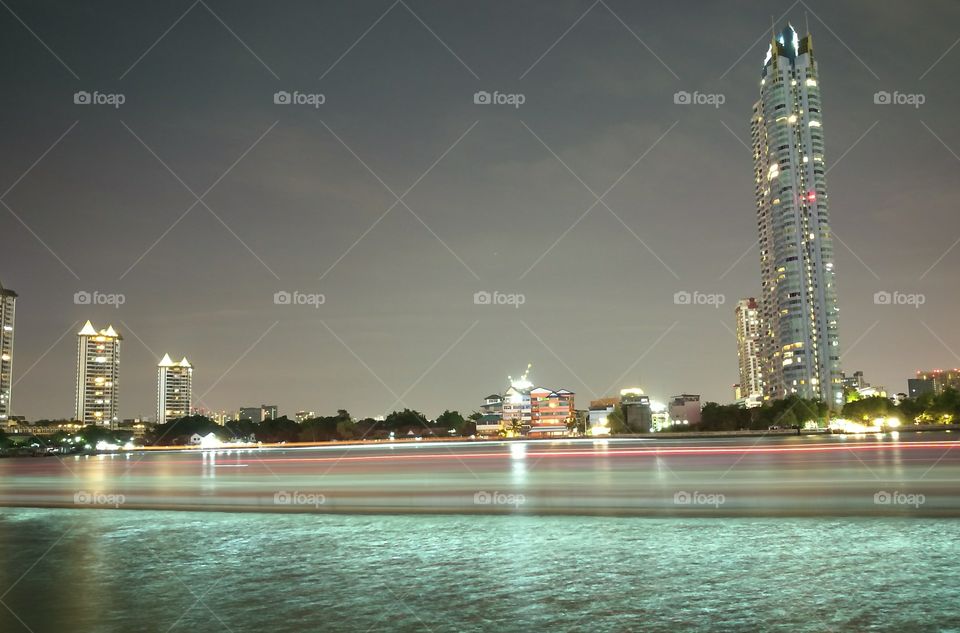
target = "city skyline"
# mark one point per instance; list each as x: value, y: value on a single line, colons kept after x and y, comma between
x: 380, y: 308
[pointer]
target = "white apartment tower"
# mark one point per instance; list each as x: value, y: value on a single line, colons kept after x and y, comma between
x: 8, y: 302
x: 174, y: 389
x: 748, y: 350
x: 800, y: 350
x: 98, y: 375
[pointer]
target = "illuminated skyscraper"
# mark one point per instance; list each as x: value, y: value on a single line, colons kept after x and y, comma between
x: 174, y: 389
x: 8, y: 302
x: 798, y: 307
x: 98, y: 375
x: 748, y: 351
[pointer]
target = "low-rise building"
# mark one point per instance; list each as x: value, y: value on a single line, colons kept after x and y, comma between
x: 527, y: 410
x: 685, y: 408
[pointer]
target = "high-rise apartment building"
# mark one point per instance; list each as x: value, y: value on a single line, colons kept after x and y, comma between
x: 98, y: 375
x: 8, y: 302
x: 750, y: 386
x: 174, y: 389
x: 800, y: 349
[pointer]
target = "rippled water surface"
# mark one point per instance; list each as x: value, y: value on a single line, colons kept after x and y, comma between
x: 108, y: 570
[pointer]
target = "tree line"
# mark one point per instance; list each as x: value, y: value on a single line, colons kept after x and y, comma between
x: 338, y: 427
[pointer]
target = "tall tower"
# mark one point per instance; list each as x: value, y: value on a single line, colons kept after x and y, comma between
x: 174, y: 389
x: 798, y: 307
x: 748, y: 351
x: 98, y: 375
x: 8, y: 302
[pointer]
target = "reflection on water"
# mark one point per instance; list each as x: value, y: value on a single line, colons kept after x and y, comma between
x: 109, y: 571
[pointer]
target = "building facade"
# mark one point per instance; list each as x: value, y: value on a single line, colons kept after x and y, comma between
x: 750, y: 386
x: 254, y: 414
x: 268, y: 412
x: 8, y: 304
x: 941, y: 379
x: 98, y: 376
x: 800, y: 349
x: 174, y: 389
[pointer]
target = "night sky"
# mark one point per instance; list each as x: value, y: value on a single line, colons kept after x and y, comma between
x: 492, y: 197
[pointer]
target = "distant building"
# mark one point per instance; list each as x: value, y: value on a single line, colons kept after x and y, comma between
x: 857, y: 383
x: 748, y: 352
x: 685, y: 407
x: 303, y: 416
x: 254, y: 414
x: 941, y: 379
x: 268, y: 412
x: 489, y: 424
x: 174, y: 389
x: 222, y: 417
x: 550, y: 410
x: 597, y: 416
x: 98, y: 375
x: 636, y: 410
x: 634, y: 405
x: 492, y: 404
x: 917, y: 387
x: 8, y: 303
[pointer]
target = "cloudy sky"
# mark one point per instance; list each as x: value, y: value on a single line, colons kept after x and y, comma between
x: 398, y: 198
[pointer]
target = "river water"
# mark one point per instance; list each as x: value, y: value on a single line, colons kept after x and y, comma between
x: 105, y: 570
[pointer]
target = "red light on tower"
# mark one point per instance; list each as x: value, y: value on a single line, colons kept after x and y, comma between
x: 811, y: 196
